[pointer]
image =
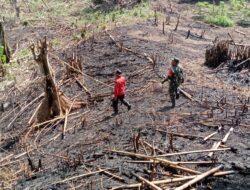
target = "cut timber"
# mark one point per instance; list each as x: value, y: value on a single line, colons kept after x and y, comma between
x: 195, y: 162
x: 65, y: 123
x: 167, y: 181
x: 23, y: 110
x: 158, y: 182
x: 78, y: 176
x: 224, y: 140
x: 150, y: 184
x: 199, y: 178
x: 185, y: 135
x: 160, y: 160
x: 217, y: 145
x: 113, y: 175
x: 240, y: 32
x: 186, y: 94
x: 212, y: 134
x: 178, y: 163
x: 194, y: 151
x: 150, y: 146
x: 54, y: 103
x: 241, y: 63
x: 214, y: 147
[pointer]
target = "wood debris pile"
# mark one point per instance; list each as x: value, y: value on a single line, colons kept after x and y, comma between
x: 227, y: 53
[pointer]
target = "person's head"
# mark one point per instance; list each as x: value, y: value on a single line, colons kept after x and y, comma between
x: 118, y: 72
x: 175, y: 61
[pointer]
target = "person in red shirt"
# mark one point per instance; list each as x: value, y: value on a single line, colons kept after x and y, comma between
x: 119, y: 92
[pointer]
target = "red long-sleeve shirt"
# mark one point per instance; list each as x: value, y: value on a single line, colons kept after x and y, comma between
x: 120, y: 86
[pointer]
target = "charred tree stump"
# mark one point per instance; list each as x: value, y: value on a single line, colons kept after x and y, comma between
x: 156, y: 18
x: 54, y: 103
x: 168, y: 17
x: 51, y: 105
x: 177, y: 24
x: 163, y: 27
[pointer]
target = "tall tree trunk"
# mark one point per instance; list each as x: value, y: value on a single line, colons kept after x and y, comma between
x: 51, y: 105
x: 55, y: 102
x: 6, y: 51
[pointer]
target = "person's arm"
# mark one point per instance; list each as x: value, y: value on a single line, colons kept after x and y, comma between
x: 166, y: 79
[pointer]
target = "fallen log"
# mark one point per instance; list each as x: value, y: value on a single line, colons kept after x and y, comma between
x: 240, y: 32
x: 185, y: 135
x: 150, y: 184
x: 173, y: 180
x: 150, y: 146
x: 78, y: 176
x: 23, y: 109
x: 199, y: 178
x: 178, y: 163
x: 157, y: 182
x: 65, y: 123
x: 241, y: 63
x: 160, y: 160
x: 113, y: 175
x: 194, y: 151
x: 214, y: 147
x: 217, y: 145
x: 82, y: 86
x: 212, y: 134
x: 224, y: 140
x: 194, y: 162
x: 186, y: 94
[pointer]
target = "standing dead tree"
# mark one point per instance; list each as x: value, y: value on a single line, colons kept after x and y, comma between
x: 4, y: 50
x: 74, y: 67
x: 177, y: 24
x: 16, y: 7
x: 55, y: 103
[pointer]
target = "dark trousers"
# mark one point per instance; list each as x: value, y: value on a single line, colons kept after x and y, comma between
x: 116, y: 101
x: 174, y: 93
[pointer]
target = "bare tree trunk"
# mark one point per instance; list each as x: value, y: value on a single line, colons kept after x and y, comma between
x: 16, y: 7
x: 6, y: 50
x: 51, y: 105
x: 55, y: 103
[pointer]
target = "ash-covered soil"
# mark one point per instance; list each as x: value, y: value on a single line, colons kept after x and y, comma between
x: 92, y: 132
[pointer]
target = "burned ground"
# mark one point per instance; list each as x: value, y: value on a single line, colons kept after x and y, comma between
x: 218, y: 100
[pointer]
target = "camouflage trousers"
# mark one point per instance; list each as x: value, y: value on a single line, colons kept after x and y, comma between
x: 173, y: 93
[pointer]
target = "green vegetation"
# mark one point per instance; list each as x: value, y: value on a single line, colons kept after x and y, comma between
x: 104, y: 19
x: 3, y: 58
x: 142, y: 10
x: 224, y: 14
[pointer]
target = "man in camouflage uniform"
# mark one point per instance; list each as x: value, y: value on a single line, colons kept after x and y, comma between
x: 175, y: 77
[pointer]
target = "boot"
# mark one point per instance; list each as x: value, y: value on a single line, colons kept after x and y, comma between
x: 126, y: 103
x: 177, y: 95
x: 173, y: 102
x: 129, y: 107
